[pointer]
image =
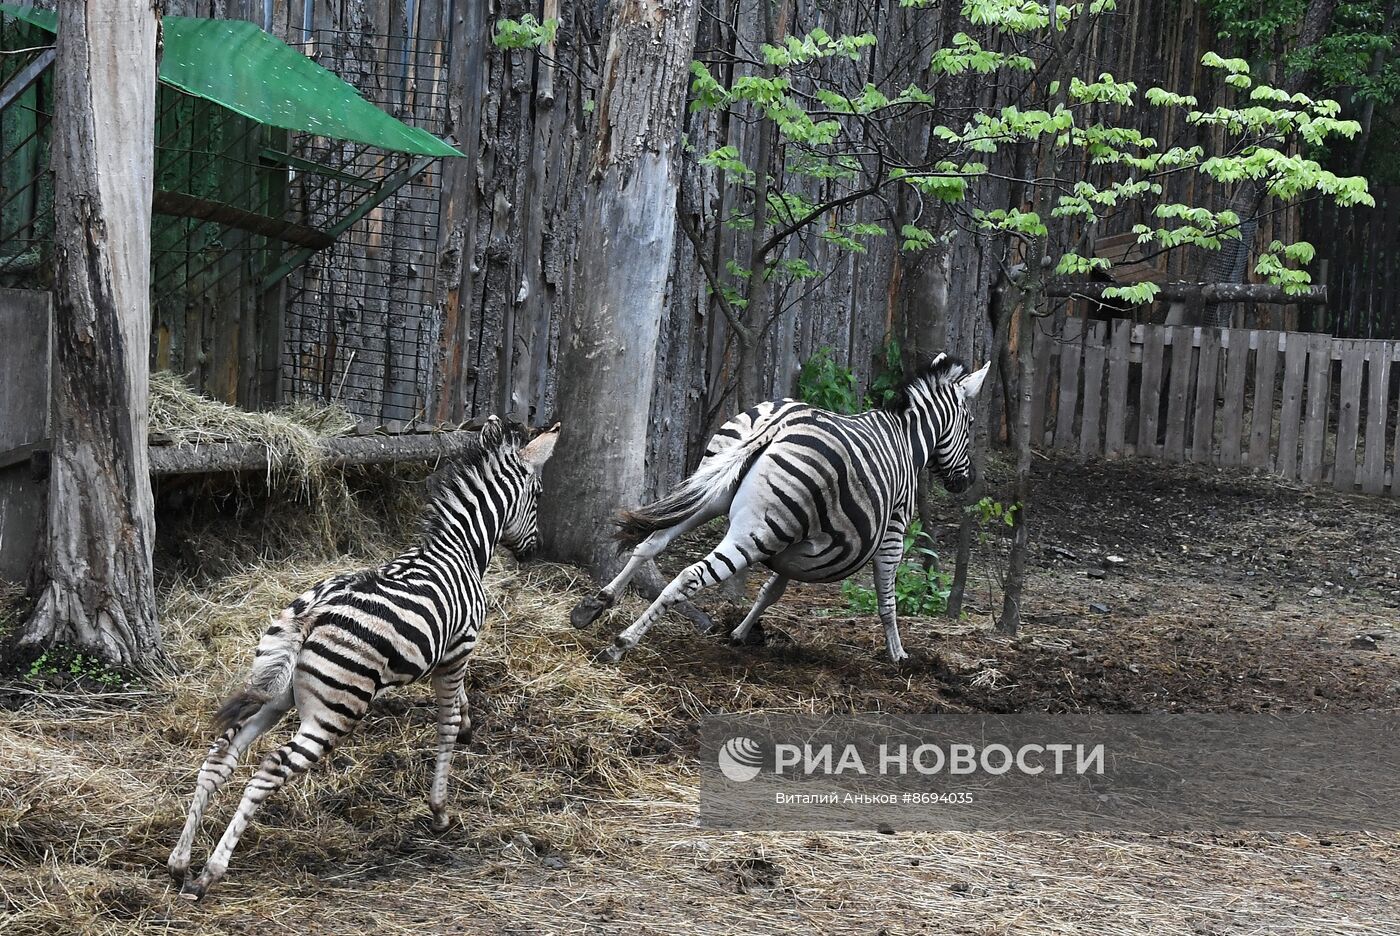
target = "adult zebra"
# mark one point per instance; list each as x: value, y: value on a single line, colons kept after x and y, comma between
x: 812, y: 495
x: 347, y: 639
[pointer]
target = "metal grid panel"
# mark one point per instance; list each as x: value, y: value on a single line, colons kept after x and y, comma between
x: 26, y: 197
x: 361, y: 322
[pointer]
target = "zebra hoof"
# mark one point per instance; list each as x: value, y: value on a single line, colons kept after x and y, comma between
x: 754, y: 638
x: 440, y: 822
x: 178, y: 871
x: 587, y: 611
x: 609, y: 654
x: 195, y: 890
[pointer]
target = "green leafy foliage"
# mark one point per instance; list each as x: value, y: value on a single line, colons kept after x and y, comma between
x: 921, y: 587
x: 887, y: 381
x: 826, y: 117
x: 991, y: 512
x: 62, y: 665
x: 524, y: 33
x: 825, y: 384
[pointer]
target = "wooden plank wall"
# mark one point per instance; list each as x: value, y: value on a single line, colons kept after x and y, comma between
x: 505, y: 255
x: 1358, y: 252
x: 1306, y: 407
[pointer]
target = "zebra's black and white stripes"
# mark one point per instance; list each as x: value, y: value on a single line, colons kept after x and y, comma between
x: 811, y: 494
x: 342, y: 643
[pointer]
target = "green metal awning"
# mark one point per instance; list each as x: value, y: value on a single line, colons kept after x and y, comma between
x: 236, y: 65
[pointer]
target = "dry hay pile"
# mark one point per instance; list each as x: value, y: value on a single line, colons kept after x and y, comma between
x: 293, y: 438
x: 96, y: 785
x: 291, y: 434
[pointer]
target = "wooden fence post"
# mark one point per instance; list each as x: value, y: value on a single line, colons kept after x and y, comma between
x: 1315, y: 425
x: 1262, y: 418
x: 1349, y: 415
x: 1203, y: 429
x: 1071, y: 353
x: 1119, y: 363
x: 1094, y: 354
x: 1179, y: 393
x: 1377, y: 410
x: 1295, y: 358
x: 1150, y: 398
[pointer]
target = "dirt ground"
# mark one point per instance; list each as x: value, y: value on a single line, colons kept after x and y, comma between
x: 1153, y: 589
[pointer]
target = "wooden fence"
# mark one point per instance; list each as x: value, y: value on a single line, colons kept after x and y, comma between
x: 1309, y: 407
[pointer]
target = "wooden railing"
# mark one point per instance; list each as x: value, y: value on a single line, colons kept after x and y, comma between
x: 1308, y: 407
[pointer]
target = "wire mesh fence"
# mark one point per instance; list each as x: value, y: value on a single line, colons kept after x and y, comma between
x: 361, y: 321
x: 285, y: 266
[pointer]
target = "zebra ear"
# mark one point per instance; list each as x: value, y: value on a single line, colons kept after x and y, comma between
x: 540, y: 448
x: 492, y: 434
x: 971, y: 384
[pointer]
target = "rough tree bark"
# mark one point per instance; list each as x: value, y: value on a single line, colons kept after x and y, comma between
x: 95, y: 590
x: 625, y: 243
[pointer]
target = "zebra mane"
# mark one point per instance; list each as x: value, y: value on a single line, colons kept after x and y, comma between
x: 942, y: 370
x: 442, y: 484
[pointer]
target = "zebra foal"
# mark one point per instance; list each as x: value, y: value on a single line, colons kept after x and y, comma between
x: 350, y: 637
x: 811, y: 494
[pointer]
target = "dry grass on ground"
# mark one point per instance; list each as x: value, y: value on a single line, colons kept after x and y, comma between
x: 575, y: 801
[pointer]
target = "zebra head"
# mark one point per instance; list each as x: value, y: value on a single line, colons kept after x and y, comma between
x: 520, y: 468
x: 938, y: 402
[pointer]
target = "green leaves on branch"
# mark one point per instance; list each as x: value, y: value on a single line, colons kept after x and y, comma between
x: 1137, y: 294
x: 726, y: 160
x: 1072, y: 264
x: 1271, y: 266
x: 806, y: 93
x: 524, y: 33
x: 1288, y: 176
x: 1198, y: 227
x: 1013, y: 221
x: 817, y: 44
x: 967, y: 53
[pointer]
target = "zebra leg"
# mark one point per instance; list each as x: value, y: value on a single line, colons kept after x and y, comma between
x: 886, y: 562
x: 218, y: 766
x: 464, y: 733
x: 452, y: 720
x: 724, y: 560
x: 768, y: 595
x: 318, y: 733
x: 589, y: 609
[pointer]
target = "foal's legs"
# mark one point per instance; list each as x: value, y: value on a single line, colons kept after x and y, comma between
x: 588, y: 610
x: 218, y: 767
x: 452, y: 721
x: 321, y: 728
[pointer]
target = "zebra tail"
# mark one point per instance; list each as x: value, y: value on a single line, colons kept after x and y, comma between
x: 271, y: 677
x: 717, y: 478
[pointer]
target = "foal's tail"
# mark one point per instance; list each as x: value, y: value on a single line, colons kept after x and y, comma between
x: 273, y: 666
x: 716, y: 478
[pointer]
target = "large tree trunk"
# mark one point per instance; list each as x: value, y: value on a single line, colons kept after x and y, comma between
x: 95, y: 589
x: 626, y: 236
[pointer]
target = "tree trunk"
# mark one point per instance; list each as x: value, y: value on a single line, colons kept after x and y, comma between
x: 95, y: 589
x: 1002, y: 307
x: 1010, y: 620
x: 626, y: 238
